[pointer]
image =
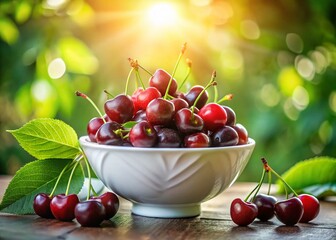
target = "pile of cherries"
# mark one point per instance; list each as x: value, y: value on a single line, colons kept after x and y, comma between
x: 63, y: 207
x: 160, y: 115
x: 299, y: 208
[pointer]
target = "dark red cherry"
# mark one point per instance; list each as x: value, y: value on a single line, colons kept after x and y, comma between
x: 213, y: 115
x: 134, y: 98
x: 188, y: 122
x: 146, y: 96
x: 168, y: 138
x: 289, y: 211
x: 226, y: 136
x: 231, y: 116
x: 197, y: 140
x: 140, y: 116
x: 108, y: 134
x: 179, y: 103
x: 90, y: 213
x: 265, y: 204
x: 193, y: 93
x: 41, y: 205
x: 160, y: 112
x: 63, y: 206
x: 111, y: 203
x: 311, y: 207
x: 243, y: 213
x: 119, y: 109
x: 93, y: 126
x: 242, y: 133
x: 143, y: 134
x: 160, y: 80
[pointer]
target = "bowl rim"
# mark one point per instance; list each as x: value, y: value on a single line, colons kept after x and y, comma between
x: 84, y: 141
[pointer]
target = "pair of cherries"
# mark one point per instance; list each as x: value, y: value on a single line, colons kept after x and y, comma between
x: 300, y: 208
x: 90, y: 213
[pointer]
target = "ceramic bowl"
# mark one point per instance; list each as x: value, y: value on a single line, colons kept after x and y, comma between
x: 167, y: 182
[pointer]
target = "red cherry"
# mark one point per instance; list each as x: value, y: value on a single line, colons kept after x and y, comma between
x: 226, y: 136
x: 160, y: 80
x: 168, y: 138
x: 160, y: 112
x: 41, y: 205
x: 213, y: 115
x: 111, y: 203
x: 143, y: 134
x: 134, y: 98
x: 146, y: 96
x: 289, y: 211
x: 311, y: 207
x: 242, y: 133
x: 197, y: 140
x: 90, y: 213
x: 93, y: 126
x: 63, y: 206
x: 243, y: 213
x: 193, y: 94
x: 265, y: 204
x: 179, y: 103
x: 188, y: 122
x: 231, y: 116
x: 107, y: 135
x: 119, y: 109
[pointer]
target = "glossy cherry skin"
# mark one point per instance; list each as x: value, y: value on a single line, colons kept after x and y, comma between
x: 311, y: 207
x: 146, y: 96
x: 231, y: 116
x: 160, y: 112
x: 243, y: 213
x: 111, y: 203
x: 197, y: 140
x: 242, y: 133
x: 213, y: 115
x: 188, y: 122
x: 265, y: 204
x: 107, y: 134
x: 41, y: 205
x: 139, y: 116
x: 63, y: 206
x: 93, y: 126
x: 90, y: 213
x: 193, y: 93
x: 168, y: 138
x: 143, y: 134
x: 134, y: 98
x: 226, y: 136
x: 119, y: 109
x: 289, y: 211
x: 179, y: 103
x: 160, y: 80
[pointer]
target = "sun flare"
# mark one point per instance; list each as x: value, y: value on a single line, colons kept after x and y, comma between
x: 162, y: 14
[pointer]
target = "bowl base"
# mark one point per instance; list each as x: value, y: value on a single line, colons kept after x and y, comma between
x: 166, y: 211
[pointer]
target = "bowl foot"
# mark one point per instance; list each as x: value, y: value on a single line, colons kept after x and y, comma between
x: 166, y: 211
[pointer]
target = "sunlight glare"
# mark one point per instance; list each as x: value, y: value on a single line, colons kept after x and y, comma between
x: 162, y: 14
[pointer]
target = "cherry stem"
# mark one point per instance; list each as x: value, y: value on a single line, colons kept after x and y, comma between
x: 268, y: 168
x: 71, y: 174
x: 135, y: 65
x: 92, y: 103
x: 216, y: 94
x: 108, y: 93
x: 210, y: 83
x: 225, y: 98
x: 256, y: 188
x: 188, y: 73
x: 59, y: 178
x: 269, y: 182
x: 127, y: 81
x: 137, y: 74
x: 174, y: 70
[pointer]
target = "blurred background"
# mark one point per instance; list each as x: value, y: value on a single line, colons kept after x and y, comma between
x: 278, y: 59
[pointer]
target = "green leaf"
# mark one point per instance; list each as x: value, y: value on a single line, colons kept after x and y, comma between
x: 129, y: 124
x: 38, y: 177
x: 47, y: 138
x: 316, y: 176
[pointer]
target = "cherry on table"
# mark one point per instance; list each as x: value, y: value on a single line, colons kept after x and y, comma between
x: 311, y: 207
x: 63, y: 206
x: 41, y: 205
x: 90, y: 213
x: 265, y: 204
x: 243, y: 213
x: 289, y: 211
x: 111, y: 203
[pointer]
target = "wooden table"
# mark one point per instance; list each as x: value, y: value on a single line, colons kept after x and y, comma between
x: 213, y: 223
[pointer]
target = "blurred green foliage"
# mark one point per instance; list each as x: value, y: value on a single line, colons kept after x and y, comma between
x: 278, y: 59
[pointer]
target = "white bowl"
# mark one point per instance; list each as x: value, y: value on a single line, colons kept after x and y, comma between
x: 167, y: 182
